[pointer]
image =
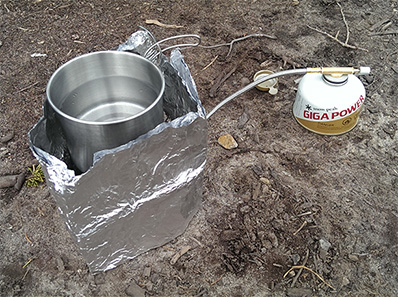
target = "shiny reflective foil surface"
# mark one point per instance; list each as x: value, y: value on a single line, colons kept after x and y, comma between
x: 137, y: 196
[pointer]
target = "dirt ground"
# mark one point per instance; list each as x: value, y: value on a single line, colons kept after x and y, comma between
x: 284, y: 197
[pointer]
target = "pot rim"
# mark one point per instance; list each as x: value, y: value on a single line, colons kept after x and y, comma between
x: 99, y: 123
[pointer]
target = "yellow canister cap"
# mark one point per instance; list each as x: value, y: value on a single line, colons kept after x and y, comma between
x: 268, y: 85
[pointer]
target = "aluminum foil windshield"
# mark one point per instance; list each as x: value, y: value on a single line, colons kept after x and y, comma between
x: 137, y: 196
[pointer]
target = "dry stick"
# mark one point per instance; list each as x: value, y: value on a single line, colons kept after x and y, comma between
x: 301, y: 227
x: 337, y: 40
x: 26, y: 273
x: 157, y: 23
x: 27, y: 238
x: 384, y: 33
x: 211, y: 63
x: 28, y: 87
x: 345, y: 23
x: 301, y: 270
x: 216, y: 281
x: 305, y: 214
x: 27, y: 263
x: 221, y: 80
x: 309, y: 269
x: 345, y: 44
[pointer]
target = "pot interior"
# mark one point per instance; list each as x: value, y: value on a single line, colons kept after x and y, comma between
x: 105, y: 87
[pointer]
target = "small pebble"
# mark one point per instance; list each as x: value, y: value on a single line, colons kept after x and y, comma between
x: 135, y: 290
x: 8, y: 181
x: 354, y: 258
x: 295, y: 259
x: 99, y: 278
x: 243, y: 119
x: 147, y: 271
x: 20, y: 180
x: 244, y: 81
x: 299, y: 292
x: 324, y: 244
x: 345, y: 281
x: 227, y: 142
x: 6, y: 138
x: 265, y: 181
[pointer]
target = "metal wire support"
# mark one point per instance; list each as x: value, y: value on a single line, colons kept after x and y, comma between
x: 253, y: 84
x: 153, y: 52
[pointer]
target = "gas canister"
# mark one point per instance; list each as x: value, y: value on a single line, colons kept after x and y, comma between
x: 329, y: 104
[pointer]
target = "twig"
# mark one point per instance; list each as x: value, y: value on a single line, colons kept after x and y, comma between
x: 384, y: 33
x: 211, y: 63
x: 345, y: 23
x: 27, y: 263
x: 197, y: 241
x: 345, y: 44
x: 28, y: 87
x: 216, y: 281
x: 230, y: 44
x: 305, y: 214
x: 337, y: 40
x: 178, y: 255
x: 26, y: 273
x: 301, y: 227
x: 27, y: 238
x: 301, y: 270
x: 220, y: 80
x: 63, y: 6
x: 309, y: 269
x: 124, y: 16
x: 156, y: 22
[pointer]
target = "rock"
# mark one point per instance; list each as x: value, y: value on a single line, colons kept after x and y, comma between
x: 227, y: 142
x: 299, y: 292
x: 324, y: 244
x: 6, y: 138
x: 345, y: 281
x: 295, y: 258
x: 60, y: 264
x: 149, y: 286
x: 228, y: 235
x: 323, y: 254
x: 147, y: 271
x: 353, y: 258
x: 134, y: 290
x: 8, y: 181
x: 20, y: 180
x: 99, y: 278
x: 244, y: 81
x: 243, y: 119
x: 245, y: 209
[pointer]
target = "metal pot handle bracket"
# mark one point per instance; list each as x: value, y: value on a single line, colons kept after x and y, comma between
x: 153, y: 52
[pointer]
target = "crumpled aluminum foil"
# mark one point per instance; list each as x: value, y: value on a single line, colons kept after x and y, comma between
x: 137, y: 196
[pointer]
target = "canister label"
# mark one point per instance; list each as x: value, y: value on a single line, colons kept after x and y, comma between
x: 328, y: 121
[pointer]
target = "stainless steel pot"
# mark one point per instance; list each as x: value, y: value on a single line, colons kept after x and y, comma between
x: 105, y: 99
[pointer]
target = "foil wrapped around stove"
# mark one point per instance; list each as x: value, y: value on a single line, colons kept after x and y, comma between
x: 137, y: 196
